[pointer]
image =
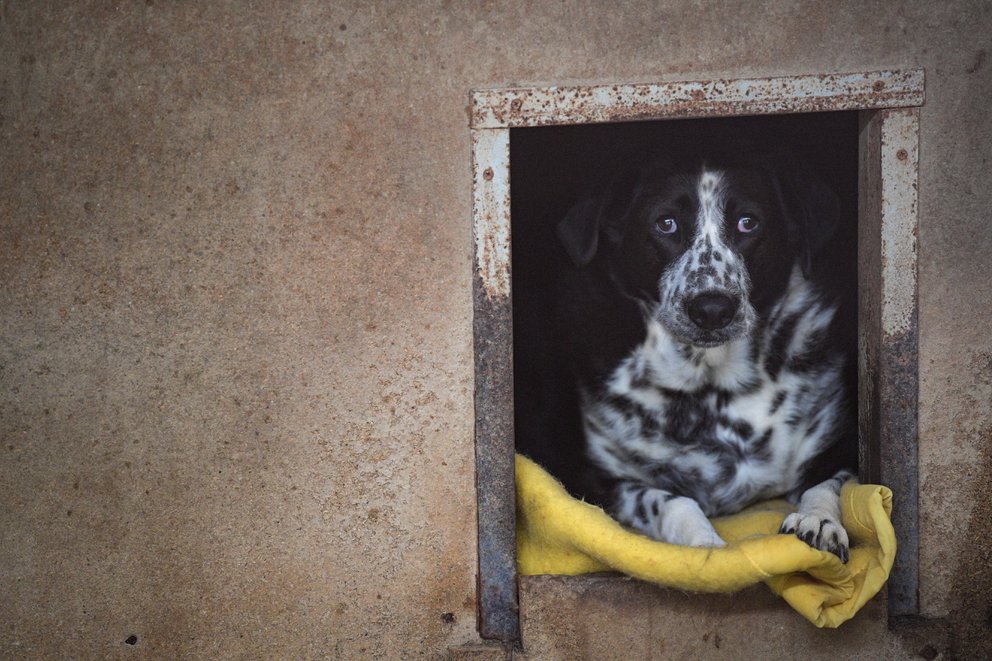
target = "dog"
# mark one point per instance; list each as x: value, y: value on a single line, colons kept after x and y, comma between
x: 705, y: 357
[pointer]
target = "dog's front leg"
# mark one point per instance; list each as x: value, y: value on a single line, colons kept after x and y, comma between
x: 818, y: 521
x: 664, y: 516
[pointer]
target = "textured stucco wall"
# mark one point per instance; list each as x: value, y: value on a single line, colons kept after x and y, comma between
x: 235, y: 315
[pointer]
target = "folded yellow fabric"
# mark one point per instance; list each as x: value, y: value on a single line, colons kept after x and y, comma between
x: 557, y: 534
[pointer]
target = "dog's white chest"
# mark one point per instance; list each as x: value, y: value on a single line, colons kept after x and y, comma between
x: 712, y: 424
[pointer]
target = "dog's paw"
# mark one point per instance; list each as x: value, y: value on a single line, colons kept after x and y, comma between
x: 685, y: 524
x: 820, y: 532
x: 699, y: 537
x: 705, y: 538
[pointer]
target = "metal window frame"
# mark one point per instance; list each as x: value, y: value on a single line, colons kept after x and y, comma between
x: 887, y: 296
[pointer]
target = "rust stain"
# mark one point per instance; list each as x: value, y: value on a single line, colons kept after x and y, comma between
x: 493, y: 333
x: 899, y: 152
x: 491, y: 210
x: 702, y: 98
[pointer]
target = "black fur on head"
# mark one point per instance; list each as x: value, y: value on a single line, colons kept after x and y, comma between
x: 812, y: 208
x: 672, y: 233
x: 601, y: 214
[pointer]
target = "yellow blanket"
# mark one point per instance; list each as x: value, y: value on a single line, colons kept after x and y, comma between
x: 557, y: 534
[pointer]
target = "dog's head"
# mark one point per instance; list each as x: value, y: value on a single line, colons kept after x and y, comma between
x: 708, y: 247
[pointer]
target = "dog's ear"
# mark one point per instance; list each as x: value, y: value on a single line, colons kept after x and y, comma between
x: 812, y: 209
x: 598, y: 217
x: 579, y: 230
x: 818, y: 216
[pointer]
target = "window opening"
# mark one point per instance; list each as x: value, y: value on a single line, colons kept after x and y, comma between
x: 884, y: 188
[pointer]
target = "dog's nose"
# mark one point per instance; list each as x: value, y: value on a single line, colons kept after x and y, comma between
x: 712, y: 310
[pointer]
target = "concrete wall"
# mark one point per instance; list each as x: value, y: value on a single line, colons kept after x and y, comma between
x: 235, y: 316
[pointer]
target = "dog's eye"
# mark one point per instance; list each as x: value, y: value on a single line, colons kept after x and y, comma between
x: 747, y: 224
x: 667, y: 225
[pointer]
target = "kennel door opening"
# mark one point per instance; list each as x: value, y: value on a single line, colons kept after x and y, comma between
x: 887, y: 341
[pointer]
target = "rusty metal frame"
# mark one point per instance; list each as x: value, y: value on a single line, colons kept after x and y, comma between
x: 493, y: 337
x: 888, y: 332
x: 520, y: 107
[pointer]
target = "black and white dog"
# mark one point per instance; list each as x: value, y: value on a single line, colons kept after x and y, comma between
x: 707, y: 370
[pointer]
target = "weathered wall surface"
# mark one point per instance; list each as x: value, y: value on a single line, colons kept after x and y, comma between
x: 235, y: 315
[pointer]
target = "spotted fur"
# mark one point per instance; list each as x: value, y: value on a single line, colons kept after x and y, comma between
x: 732, y: 390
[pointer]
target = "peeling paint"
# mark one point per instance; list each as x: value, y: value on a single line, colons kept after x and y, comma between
x: 888, y: 333
x: 543, y: 106
x: 899, y: 160
x: 491, y: 212
x: 493, y: 335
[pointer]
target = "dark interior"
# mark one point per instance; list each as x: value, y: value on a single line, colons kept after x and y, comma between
x: 553, y: 167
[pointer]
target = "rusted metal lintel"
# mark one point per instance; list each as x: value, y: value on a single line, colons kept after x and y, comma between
x: 889, y: 333
x: 493, y: 336
x: 543, y: 106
